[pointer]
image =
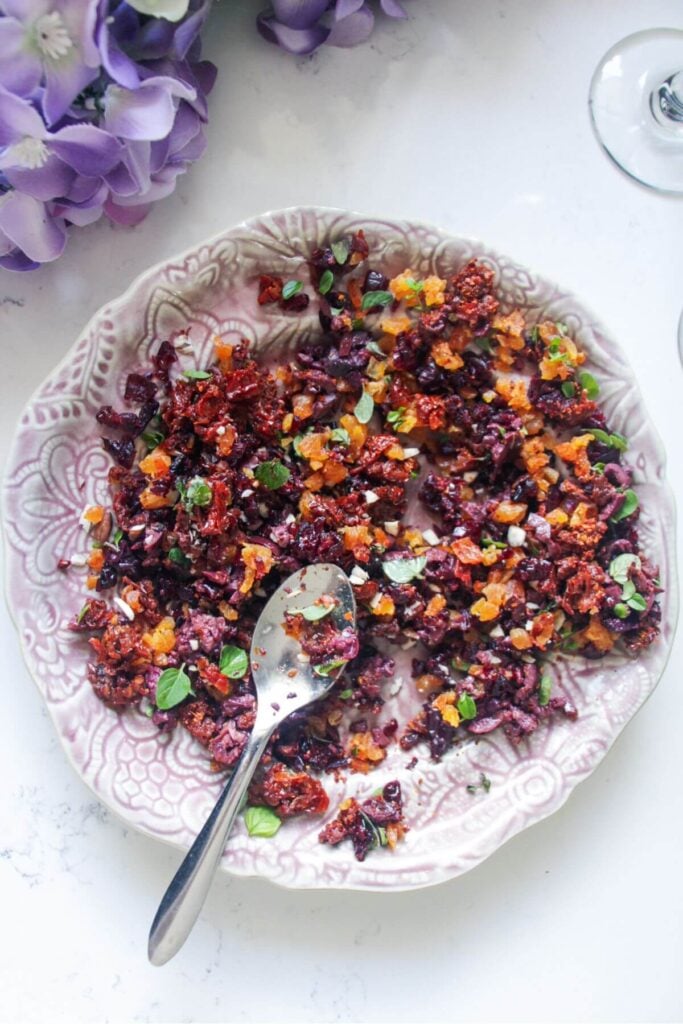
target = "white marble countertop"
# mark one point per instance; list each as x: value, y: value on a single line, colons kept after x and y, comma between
x: 474, y: 116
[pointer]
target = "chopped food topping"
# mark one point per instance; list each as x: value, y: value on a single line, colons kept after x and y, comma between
x: 227, y: 478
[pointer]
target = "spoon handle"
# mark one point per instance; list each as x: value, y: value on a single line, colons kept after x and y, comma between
x: 188, y: 889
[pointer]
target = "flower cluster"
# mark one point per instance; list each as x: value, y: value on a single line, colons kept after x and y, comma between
x: 101, y: 108
x: 301, y: 26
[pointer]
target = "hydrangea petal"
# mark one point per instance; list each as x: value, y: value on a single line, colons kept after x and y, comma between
x: 52, y: 180
x: 299, y: 13
x: 298, y: 41
x: 393, y: 8
x: 354, y: 29
x: 63, y: 82
x: 346, y: 7
x: 145, y: 113
x: 89, y: 150
x: 20, y: 70
x: 28, y: 224
x: 18, y: 118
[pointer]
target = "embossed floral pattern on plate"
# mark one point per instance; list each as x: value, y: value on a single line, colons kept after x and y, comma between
x: 163, y: 786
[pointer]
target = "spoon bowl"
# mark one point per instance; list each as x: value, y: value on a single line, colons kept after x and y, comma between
x: 285, y: 681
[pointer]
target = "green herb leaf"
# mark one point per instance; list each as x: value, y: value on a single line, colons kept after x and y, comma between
x: 197, y: 492
x: 291, y: 288
x: 315, y: 612
x: 415, y: 286
x: 599, y: 467
x: 637, y: 602
x: 544, y: 688
x: 340, y: 251
x: 81, y: 614
x: 467, y: 706
x: 484, y: 344
x: 357, y: 323
x: 403, y: 570
x: 395, y: 417
x: 589, y: 384
x: 554, y: 346
x: 295, y: 444
x: 118, y: 536
x: 568, y: 389
x: 335, y: 312
x: 345, y: 694
x: 340, y: 435
x: 328, y: 667
x: 619, y: 567
x: 621, y: 610
x: 261, y: 822
x: 487, y: 542
x: 196, y: 374
x: 152, y: 438
x: 373, y: 347
x: 628, y: 591
x: 233, y: 662
x: 616, y: 441
x: 461, y: 666
x: 533, y: 333
x: 485, y: 782
x: 272, y: 474
x: 562, y: 327
x: 364, y: 408
x: 628, y: 508
x: 372, y: 299
x: 173, y: 686
x: 179, y: 558
x: 326, y: 282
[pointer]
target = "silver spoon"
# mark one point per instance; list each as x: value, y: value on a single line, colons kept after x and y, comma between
x: 283, y: 684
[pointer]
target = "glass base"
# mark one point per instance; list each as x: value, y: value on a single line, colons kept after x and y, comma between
x: 623, y: 89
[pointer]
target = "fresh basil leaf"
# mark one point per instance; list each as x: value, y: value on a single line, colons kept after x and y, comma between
x: 544, y: 688
x: 364, y: 408
x: 357, y: 324
x: 488, y: 542
x: 179, y: 558
x: 484, y: 344
x: 233, y: 662
x: 396, y: 415
x: 628, y: 508
x: 335, y: 312
x: 272, y: 474
x: 589, y: 384
x: 118, y: 536
x: 197, y: 492
x: 291, y: 288
x: 568, y: 389
x: 196, y: 374
x: 467, y: 706
x: 326, y: 282
x: 599, y: 467
x: 403, y: 570
x: 315, y: 612
x: 621, y: 610
x: 619, y: 566
x: 152, y: 438
x: 340, y: 435
x: 340, y: 251
x: 637, y: 602
x: 328, y: 667
x: 372, y: 299
x: 616, y: 441
x: 415, y: 286
x: 345, y: 694
x: 173, y: 686
x: 373, y: 347
x: 261, y: 822
x: 461, y: 666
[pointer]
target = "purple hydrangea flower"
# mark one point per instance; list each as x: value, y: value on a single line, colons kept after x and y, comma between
x: 301, y: 26
x: 101, y: 108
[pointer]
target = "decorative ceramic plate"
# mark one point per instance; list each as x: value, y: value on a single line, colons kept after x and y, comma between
x: 163, y: 785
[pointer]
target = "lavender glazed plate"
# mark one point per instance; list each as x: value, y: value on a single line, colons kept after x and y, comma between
x: 162, y: 785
